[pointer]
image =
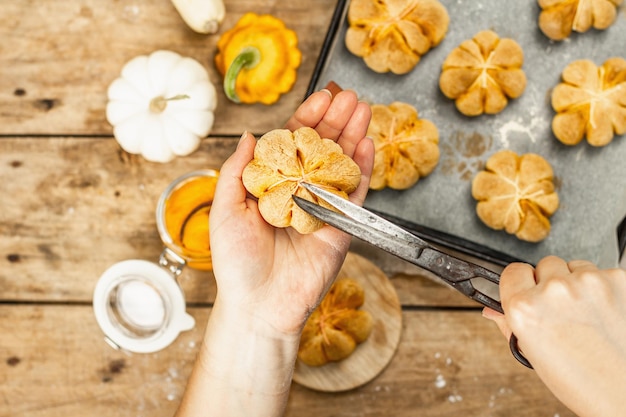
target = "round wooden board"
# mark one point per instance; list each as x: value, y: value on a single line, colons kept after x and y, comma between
x: 372, y: 356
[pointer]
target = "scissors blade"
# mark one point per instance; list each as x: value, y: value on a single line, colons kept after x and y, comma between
x: 390, y: 243
x: 378, y: 231
x: 364, y: 216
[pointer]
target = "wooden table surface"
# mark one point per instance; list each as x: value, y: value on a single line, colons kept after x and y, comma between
x: 73, y: 204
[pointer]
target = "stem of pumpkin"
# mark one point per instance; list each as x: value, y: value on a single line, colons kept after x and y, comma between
x: 158, y: 104
x: 248, y: 58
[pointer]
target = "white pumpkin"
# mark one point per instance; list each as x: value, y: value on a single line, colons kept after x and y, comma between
x: 161, y: 106
x: 202, y: 16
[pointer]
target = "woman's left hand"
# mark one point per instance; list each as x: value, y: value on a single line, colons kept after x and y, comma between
x: 277, y: 274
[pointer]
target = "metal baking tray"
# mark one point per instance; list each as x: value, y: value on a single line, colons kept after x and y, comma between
x: 591, y: 182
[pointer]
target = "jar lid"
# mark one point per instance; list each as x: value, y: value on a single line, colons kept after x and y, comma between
x: 140, y: 306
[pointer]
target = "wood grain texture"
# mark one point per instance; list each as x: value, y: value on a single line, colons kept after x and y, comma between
x: 74, y: 207
x: 57, y: 59
x: 447, y: 364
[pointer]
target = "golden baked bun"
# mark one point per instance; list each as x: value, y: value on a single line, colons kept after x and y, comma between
x: 392, y: 35
x: 406, y: 147
x: 590, y: 102
x: 283, y: 160
x: 517, y: 194
x: 336, y: 327
x: 482, y: 73
x: 559, y: 17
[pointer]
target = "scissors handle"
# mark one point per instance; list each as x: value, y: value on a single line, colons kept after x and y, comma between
x: 517, y: 353
x: 459, y: 273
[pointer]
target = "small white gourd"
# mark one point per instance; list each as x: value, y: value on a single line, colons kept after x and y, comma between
x: 161, y: 106
x: 202, y: 16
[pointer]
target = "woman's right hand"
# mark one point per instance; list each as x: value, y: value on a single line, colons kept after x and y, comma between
x: 570, y: 320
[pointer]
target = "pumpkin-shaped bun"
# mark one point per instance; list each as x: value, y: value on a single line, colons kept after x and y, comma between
x: 406, y: 147
x: 590, y: 102
x: 482, y: 73
x: 516, y: 193
x: 282, y: 161
x: 559, y: 17
x: 392, y: 35
x: 336, y: 327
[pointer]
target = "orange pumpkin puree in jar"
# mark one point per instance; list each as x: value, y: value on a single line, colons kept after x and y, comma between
x: 183, y: 217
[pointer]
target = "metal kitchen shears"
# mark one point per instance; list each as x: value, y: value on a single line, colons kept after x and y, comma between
x: 367, y: 226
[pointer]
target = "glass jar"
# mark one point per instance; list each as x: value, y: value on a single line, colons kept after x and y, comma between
x: 140, y: 307
x: 182, y: 217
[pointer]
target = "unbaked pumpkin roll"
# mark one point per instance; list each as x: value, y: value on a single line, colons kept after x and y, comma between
x: 406, y: 147
x: 516, y: 194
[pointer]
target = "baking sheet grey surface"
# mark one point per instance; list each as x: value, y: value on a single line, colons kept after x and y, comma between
x: 591, y: 182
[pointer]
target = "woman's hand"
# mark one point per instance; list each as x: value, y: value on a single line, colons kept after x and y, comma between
x: 279, y: 275
x: 570, y: 319
x: 269, y: 280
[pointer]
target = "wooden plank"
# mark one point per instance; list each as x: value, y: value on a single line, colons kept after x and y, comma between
x: 73, y: 207
x: 58, y: 58
x: 448, y: 364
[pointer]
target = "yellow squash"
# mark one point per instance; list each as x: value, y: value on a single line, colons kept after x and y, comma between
x: 258, y: 58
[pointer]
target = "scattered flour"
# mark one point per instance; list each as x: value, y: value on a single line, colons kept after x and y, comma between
x: 501, y: 392
x: 455, y: 398
x: 517, y: 126
x: 131, y: 13
x: 440, y: 381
